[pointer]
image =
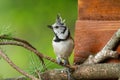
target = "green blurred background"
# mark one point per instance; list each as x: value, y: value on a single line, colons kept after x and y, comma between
x: 28, y: 20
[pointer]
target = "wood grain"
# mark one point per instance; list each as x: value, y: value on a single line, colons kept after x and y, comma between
x: 98, y: 9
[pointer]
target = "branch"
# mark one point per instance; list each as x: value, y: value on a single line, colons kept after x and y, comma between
x: 86, y: 72
x: 16, y: 67
x: 108, y: 51
x: 101, y: 56
x: 31, y: 48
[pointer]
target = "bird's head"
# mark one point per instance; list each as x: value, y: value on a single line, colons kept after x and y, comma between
x: 59, y: 28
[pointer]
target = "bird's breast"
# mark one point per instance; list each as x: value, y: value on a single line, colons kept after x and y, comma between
x: 63, y: 48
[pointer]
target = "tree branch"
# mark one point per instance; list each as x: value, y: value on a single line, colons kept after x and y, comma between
x: 24, y: 43
x: 16, y: 67
x: 86, y: 72
x: 107, y: 52
x: 98, y: 71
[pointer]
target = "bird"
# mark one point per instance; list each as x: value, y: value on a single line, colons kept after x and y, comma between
x: 62, y: 42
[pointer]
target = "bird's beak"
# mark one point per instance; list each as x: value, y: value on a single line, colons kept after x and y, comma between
x: 49, y: 26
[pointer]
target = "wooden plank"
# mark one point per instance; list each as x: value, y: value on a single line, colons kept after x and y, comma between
x: 99, y: 9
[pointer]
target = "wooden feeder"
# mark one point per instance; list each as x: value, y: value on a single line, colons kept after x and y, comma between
x: 97, y: 21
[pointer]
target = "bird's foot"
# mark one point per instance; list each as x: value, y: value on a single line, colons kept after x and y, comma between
x: 58, y: 60
x: 65, y: 62
x: 62, y: 61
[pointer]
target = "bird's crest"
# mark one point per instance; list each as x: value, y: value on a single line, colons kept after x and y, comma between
x: 59, y: 20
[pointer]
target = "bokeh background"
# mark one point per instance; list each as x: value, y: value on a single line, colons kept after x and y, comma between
x: 28, y: 20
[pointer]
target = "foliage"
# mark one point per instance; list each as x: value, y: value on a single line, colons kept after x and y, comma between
x: 35, y: 65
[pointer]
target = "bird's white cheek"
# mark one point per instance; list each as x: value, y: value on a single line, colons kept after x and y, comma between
x: 56, y: 32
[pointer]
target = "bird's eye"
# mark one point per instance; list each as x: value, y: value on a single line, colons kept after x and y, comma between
x: 56, y: 26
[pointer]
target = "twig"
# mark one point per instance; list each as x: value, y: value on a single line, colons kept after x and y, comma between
x: 17, y: 39
x: 16, y: 67
x: 23, y: 42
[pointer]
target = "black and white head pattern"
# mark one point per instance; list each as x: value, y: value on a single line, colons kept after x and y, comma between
x: 60, y: 30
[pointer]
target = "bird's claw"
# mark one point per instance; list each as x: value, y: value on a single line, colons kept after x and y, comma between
x: 65, y: 62
x: 58, y: 60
